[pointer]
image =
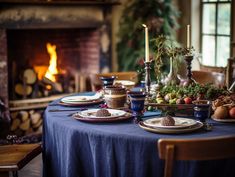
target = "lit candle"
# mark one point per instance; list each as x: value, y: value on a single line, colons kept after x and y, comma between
x: 188, y: 37
x: 146, y: 43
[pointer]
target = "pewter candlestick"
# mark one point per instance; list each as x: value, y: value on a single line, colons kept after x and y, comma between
x: 188, y: 58
x: 147, y: 79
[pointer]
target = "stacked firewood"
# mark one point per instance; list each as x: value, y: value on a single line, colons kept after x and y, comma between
x: 29, y: 86
x: 26, y: 122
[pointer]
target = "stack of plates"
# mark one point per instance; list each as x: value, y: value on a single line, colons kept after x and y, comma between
x: 90, y: 115
x: 182, y: 125
x: 81, y: 100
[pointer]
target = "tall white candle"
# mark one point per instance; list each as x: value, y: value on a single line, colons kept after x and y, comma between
x: 146, y: 43
x: 188, y: 37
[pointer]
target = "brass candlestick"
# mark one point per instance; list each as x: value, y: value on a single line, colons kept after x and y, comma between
x: 189, y: 81
x: 147, y: 79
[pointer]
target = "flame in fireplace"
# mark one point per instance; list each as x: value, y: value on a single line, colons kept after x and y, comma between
x: 52, y: 69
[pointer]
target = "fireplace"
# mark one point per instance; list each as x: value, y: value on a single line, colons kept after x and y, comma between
x: 77, y: 53
x: 79, y: 32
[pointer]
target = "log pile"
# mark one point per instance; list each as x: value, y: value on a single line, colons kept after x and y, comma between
x: 27, y: 85
x: 26, y: 122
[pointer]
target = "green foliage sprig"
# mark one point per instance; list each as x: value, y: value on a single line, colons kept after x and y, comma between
x: 165, y: 48
x: 209, y: 91
x: 160, y: 17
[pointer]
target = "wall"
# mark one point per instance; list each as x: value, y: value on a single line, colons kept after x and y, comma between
x: 116, y: 15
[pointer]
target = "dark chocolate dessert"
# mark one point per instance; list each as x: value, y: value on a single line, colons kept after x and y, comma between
x: 103, y: 113
x: 168, y: 121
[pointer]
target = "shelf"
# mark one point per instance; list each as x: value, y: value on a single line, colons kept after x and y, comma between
x: 61, y: 2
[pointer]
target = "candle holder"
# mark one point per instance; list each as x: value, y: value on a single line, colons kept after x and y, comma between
x: 147, y: 79
x: 189, y: 58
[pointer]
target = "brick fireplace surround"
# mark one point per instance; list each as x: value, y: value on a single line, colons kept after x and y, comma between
x: 58, y: 15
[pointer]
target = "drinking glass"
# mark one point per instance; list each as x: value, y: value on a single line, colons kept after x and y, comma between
x: 202, y: 111
x: 107, y: 80
x: 137, y: 100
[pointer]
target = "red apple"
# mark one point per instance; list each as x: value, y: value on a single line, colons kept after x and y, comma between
x: 188, y: 100
x: 232, y: 113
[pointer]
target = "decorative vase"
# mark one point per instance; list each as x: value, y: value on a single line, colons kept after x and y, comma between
x: 172, y: 78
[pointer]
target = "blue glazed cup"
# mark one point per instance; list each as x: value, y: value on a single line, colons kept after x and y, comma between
x: 202, y: 110
x: 107, y: 81
x: 137, y: 102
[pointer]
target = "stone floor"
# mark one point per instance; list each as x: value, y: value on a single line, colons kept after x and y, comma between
x: 32, y: 169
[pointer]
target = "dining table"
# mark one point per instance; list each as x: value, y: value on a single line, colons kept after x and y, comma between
x: 75, y: 148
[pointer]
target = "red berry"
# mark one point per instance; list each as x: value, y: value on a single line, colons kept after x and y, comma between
x: 188, y: 100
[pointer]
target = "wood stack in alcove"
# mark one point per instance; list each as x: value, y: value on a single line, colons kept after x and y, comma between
x: 26, y: 122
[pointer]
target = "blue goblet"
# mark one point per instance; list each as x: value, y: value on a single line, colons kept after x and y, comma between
x: 137, y: 104
x: 107, y: 81
x: 202, y: 110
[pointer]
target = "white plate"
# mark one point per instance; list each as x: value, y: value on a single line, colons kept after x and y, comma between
x: 77, y: 98
x: 179, y: 123
x: 223, y: 120
x: 197, y: 126
x: 91, y: 113
x: 124, y: 82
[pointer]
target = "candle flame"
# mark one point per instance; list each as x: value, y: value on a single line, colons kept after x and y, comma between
x: 52, y: 69
x: 145, y: 26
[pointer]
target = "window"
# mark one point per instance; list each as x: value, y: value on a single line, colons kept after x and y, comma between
x: 215, y: 32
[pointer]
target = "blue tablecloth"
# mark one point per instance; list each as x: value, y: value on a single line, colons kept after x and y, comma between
x: 122, y: 149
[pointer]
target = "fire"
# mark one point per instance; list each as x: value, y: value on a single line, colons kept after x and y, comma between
x: 52, y: 69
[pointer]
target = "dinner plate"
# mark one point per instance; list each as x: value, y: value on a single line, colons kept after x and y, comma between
x: 195, y: 127
x: 223, y: 120
x: 179, y: 123
x: 73, y: 104
x: 92, y: 120
x: 91, y: 113
x: 80, y: 98
x: 124, y: 82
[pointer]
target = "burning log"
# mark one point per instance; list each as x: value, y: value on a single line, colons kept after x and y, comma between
x: 57, y: 87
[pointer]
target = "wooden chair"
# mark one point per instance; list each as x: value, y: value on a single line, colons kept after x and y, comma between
x: 212, y: 68
x: 204, y: 77
x: 97, y: 84
x: 16, y: 156
x: 194, y: 149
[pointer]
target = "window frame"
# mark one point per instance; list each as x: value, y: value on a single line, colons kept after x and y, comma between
x: 202, y: 2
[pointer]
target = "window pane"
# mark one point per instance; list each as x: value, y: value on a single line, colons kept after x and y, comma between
x: 208, y: 50
x: 224, y: 18
x: 213, y: 0
x: 223, y: 50
x: 208, y: 18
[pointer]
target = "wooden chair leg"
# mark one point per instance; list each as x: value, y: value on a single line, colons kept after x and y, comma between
x: 15, y: 173
x: 4, y: 174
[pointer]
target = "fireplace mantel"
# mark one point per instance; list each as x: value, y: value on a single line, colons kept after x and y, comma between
x: 63, y: 2
x: 54, y: 14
